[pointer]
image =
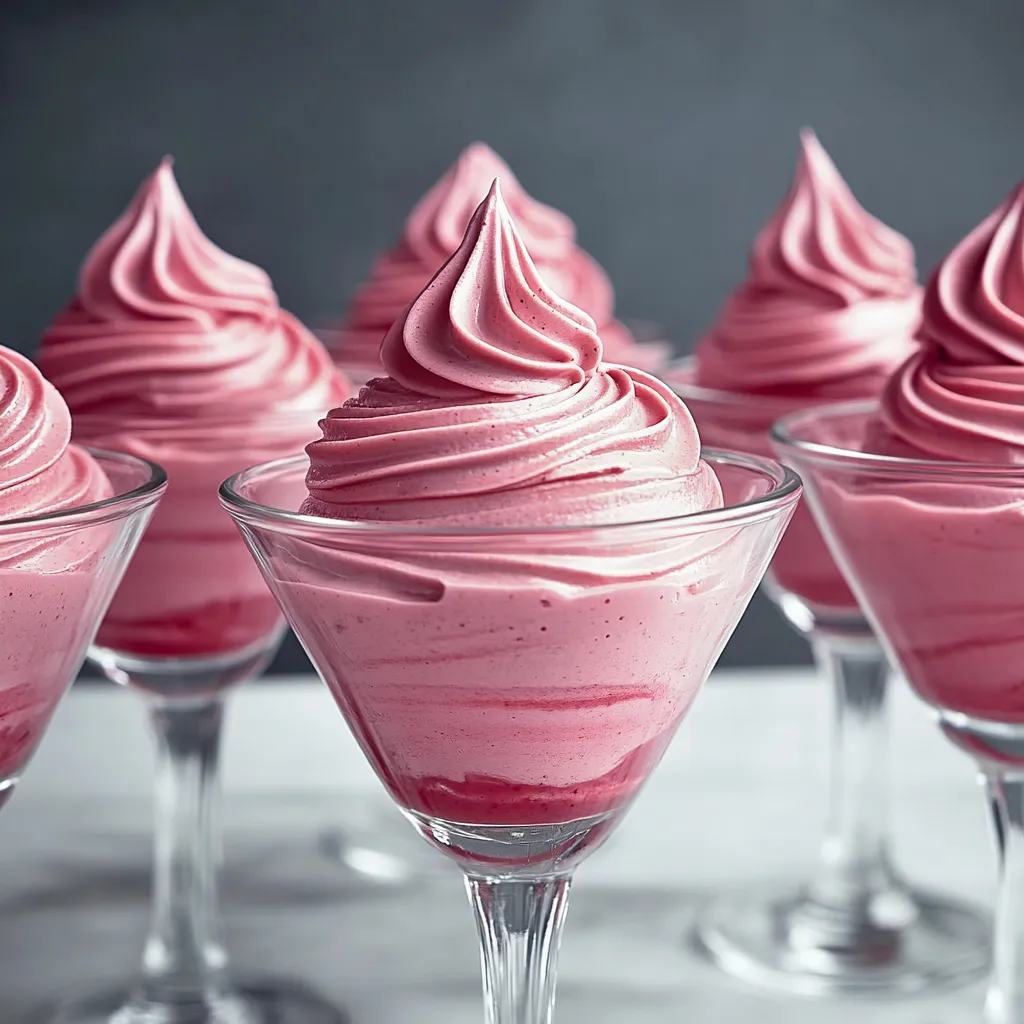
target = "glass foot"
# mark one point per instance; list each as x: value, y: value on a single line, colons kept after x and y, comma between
x: 363, y: 860
x: 374, y: 844
x: 903, y: 942
x: 256, y: 1002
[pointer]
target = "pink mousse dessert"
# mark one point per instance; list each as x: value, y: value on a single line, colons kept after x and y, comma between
x: 942, y: 561
x: 177, y: 352
x: 829, y: 308
x: 519, y: 680
x: 433, y: 231
x: 47, y: 584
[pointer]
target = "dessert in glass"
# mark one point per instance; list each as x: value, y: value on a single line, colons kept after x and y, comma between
x: 175, y: 351
x: 70, y: 519
x: 514, y: 570
x: 433, y: 231
x: 921, y: 497
x: 829, y: 308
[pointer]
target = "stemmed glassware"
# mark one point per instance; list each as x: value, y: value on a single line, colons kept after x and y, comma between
x: 513, y: 688
x: 58, y: 572
x: 856, y: 925
x: 935, y: 554
x: 191, y: 620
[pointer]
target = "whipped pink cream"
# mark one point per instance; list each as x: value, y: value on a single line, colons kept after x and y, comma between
x: 521, y: 677
x: 46, y: 578
x: 959, y: 398
x: 942, y: 562
x: 434, y: 230
x: 40, y: 470
x: 178, y: 352
x: 830, y: 303
x: 829, y: 308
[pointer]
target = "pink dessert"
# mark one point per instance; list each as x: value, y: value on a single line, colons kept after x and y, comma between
x: 177, y: 352
x: 828, y: 310
x: 433, y: 232
x: 46, y: 581
x: 521, y: 678
x: 942, y: 561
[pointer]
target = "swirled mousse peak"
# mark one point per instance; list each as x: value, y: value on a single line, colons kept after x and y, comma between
x: 961, y: 396
x: 830, y: 303
x: 165, y: 325
x: 155, y: 263
x: 434, y: 230
x: 498, y: 410
x: 488, y: 323
x: 40, y: 471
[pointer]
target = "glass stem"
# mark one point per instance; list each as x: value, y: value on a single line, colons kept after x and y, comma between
x: 184, y: 959
x: 854, y: 860
x: 520, y: 925
x: 1004, y: 1003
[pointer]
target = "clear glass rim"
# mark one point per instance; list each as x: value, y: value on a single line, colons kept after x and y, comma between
x: 784, y: 435
x: 714, y: 396
x: 786, y: 490
x: 115, y: 507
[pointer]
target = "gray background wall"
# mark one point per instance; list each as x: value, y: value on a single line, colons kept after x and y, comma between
x: 304, y: 130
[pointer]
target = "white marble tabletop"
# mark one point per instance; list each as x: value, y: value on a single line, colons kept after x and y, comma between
x: 739, y: 797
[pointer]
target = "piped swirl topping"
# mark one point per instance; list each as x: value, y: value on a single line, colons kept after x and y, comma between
x: 830, y: 303
x: 167, y: 326
x: 961, y: 397
x: 434, y: 230
x: 40, y: 471
x: 498, y: 410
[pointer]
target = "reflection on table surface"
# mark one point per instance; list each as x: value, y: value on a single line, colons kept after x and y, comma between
x: 734, y: 800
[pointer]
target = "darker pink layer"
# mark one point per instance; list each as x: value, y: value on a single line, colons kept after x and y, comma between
x: 210, y: 629
x: 479, y: 798
x: 515, y: 701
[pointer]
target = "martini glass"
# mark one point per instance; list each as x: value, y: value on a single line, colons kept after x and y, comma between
x: 374, y: 845
x: 514, y: 688
x: 935, y: 553
x: 856, y: 925
x: 58, y: 572
x: 191, y: 620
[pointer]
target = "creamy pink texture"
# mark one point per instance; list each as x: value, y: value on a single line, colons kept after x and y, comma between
x: 434, y: 230
x: 960, y: 397
x: 829, y: 307
x: 511, y: 678
x: 178, y: 352
x: 942, y: 562
x: 498, y: 410
x: 830, y: 303
x: 45, y: 578
x: 40, y: 471
x: 522, y: 697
